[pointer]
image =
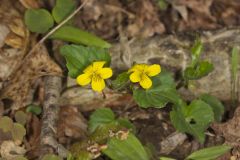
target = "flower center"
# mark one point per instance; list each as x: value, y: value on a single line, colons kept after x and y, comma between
x: 96, y: 76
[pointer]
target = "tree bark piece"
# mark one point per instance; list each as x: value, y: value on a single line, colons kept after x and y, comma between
x: 173, y: 53
x: 53, y: 86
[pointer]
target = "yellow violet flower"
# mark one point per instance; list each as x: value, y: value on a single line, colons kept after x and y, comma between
x: 141, y: 73
x: 95, y: 74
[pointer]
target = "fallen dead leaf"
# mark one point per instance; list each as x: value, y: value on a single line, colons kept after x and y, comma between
x: 147, y: 22
x: 9, y: 150
x: 13, y: 39
x: 36, y: 65
x: 230, y: 129
x: 71, y: 124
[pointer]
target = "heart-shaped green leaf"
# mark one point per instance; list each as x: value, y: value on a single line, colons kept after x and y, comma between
x: 100, y: 117
x: 193, y: 119
x: 78, y: 36
x: 162, y: 91
x: 216, y: 105
x: 38, y: 20
x: 79, y: 57
x: 63, y: 9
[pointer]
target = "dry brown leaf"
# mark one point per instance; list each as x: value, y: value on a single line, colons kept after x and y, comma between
x: 14, y: 39
x: 9, y: 150
x: 36, y: 65
x: 100, y: 19
x: 147, y: 22
x: 230, y: 129
x: 71, y: 124
x: 199, y: 6
x: 17, y: 75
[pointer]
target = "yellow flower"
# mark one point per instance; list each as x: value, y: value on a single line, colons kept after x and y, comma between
x: 95, y: 74
x: 141, y: 73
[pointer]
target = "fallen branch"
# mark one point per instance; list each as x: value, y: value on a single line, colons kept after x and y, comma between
x: 53, y: 86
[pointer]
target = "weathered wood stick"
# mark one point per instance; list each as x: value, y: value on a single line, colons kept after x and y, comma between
x: 49, y: 144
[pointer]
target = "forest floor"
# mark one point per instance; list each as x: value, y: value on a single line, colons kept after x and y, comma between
x: 110, y: 20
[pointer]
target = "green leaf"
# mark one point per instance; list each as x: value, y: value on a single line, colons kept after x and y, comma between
x: 21, y: 117
x: 63, y: 9
x: 126, y: 123
x: 100, y: 117
x: 129, y: 149
x: 162, y: 91
x: 51, y: 157
x: 18, y: 132
x: 196, y: 51
x: 209, y: 153
x: 166, y: 158
x: 79, y: 57
x: 234, y: 62
x: 216, y: 105
x: 20, y: 158
x: 121, y: 81
x: 193, y: 119
x: 78, y: 36
x: 202, y: 69
x: 156, y: 97
x: 38, y: 20
x: 35, y: 109
x: 162, y: 4
x: 6, y: 124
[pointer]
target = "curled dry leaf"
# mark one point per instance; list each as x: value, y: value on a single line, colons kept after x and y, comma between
x: 36, y: 65
x: 14, y: 39
x: 9, y: 150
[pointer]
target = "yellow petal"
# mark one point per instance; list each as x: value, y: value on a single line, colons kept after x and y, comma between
x: 98, y: 84
x: 98, y: 65
x: 135, y: 77
x: 145, y: 82
x: 153, y: 70
x: 83, y: 79
x: 88, y: 70
x: 106, y: 73
x: 137, y: 67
